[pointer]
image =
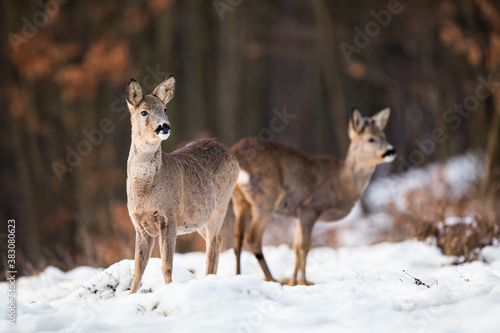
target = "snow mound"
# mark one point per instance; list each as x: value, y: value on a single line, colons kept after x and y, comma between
x: 118, y: 277
x: 53, y: 283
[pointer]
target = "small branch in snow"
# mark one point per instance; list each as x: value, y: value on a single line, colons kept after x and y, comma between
x: 419, y: 282
x: 359, y: 275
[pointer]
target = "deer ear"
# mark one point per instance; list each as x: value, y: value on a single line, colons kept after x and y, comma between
x: 133, y: 93
x: 165, y: 90
x: 355, y: 123
x: 382, y: 117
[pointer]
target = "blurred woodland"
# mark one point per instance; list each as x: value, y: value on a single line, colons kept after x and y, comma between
x: 65, y: 130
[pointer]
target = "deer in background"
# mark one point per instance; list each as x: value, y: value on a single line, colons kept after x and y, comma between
x: 277, y: 179
x: 176, y: 193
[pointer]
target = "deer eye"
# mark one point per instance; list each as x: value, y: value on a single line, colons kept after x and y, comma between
x: 371, y: 140
x: 165, y: 111
x: 144, y: 113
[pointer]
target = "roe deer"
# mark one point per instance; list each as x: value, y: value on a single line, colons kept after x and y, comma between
x: 175, y: 193
x: 277, y: 179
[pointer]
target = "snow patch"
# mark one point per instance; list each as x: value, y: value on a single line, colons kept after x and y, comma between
x: 454, y: 178
x: 452, y: 220
x: 356, y: 289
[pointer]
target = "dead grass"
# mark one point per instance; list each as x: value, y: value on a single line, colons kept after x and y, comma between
x: 458, y: 227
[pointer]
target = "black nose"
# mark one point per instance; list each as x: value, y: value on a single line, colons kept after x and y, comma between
x: 390, y: 152
x: 165, y: 128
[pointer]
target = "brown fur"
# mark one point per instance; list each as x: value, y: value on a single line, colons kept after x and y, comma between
x: 169, y: 194
x: 282, y: 180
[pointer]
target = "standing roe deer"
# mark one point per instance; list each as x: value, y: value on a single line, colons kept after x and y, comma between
x: 277, y: 179
x: 176, y: 193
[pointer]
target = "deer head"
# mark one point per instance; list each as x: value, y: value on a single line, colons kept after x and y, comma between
x: 148, y: 115
x: 368, y: 142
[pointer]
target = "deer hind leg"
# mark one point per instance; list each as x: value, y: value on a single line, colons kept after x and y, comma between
x: 260, y: 220
x: 212, y: 237
x: 168, y: 233
x: 214, y: 246
x: 297, y: 243
x: 143, y: 247
x: 241, y: 209
x: 302, y: 245
x: 211, y: 245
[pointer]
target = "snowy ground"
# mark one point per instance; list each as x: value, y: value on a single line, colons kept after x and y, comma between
x: 361, y: 289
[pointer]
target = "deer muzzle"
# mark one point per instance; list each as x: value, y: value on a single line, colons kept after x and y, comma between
x: 389, y: 155
x: 163, y: 131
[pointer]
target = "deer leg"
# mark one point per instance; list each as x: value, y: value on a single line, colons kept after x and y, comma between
x: 241, y: 209
x: 297, y: 241
x: 302, y: 245
x: 143, y: 247
x: 168, y: 233
x: 304, y: 250
x: 212, y: 237
x: 202, y: 233
x: 210, y: 247
x: 214, y: 245
x: 257, y: 227
x: 219, y: 250
x: 212, y: 253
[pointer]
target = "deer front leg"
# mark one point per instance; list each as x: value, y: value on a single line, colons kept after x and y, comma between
x: 302, y: 245
x: 168, y: 233
x: 143, y: 247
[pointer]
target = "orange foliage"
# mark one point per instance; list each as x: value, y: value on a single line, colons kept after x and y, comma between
x: 106, y: 59
x: 356, y: 70
x: 104, y: 10
x: 157, y: 5
x: 489, y: 13
x: 57, y: 219
x: 135, y: 19
x: 19, y: 107
x: 18, y: 101
x: 40, y: 56
x: 121, y: 245
x: 493, y: 60
x: 453, y: 37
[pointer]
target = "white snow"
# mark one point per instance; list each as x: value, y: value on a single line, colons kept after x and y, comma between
x: 454, y: 178
x: 243, y: 177
x: 452, y: 220
x: 362, y: 289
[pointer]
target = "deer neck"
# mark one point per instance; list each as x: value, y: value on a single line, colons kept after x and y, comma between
x: 144, y: 162
x: 355, y: 176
